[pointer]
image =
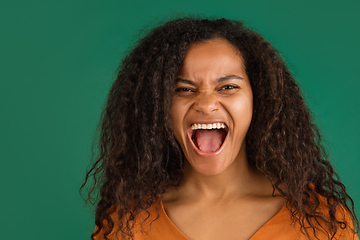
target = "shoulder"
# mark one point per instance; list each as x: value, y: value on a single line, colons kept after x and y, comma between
x: 287, y: 225
x: 319, y: 225
x: 345, y: 227
x: 150, y: 223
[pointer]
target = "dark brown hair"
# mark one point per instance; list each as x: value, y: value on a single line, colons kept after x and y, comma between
x: 139, y: 157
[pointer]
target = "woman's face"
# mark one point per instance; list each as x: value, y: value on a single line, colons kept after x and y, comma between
x: 212, y: 106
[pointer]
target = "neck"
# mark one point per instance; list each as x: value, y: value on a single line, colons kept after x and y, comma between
x: 238, y: 180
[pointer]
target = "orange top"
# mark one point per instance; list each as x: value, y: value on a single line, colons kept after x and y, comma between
x: 279, y: 227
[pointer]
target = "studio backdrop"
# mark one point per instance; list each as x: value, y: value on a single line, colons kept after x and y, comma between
x: 59, y: 58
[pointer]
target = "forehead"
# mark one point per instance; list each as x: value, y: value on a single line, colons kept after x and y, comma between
x: 213, y: 57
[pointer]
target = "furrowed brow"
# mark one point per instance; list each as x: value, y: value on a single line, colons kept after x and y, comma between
x: 229, y: 77
x: 185, y: 81
x: 222, y: 79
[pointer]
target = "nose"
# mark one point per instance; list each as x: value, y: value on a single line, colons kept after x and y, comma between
x: 206, y: 104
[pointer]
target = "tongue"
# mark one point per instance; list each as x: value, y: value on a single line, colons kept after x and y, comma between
x: 209, y: 140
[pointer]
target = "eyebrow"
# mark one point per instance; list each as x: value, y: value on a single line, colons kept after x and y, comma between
x: 222, y: 79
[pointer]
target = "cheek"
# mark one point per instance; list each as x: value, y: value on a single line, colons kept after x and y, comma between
x: 248, y: 108
x: 247, y: 103
x: 242, y: 110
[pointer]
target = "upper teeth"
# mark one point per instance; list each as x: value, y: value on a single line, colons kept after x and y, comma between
x: 196, y: 126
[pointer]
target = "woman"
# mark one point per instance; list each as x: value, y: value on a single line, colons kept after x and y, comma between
x: 205, y: 135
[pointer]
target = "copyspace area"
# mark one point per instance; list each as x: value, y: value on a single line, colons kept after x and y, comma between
x: 59, y: 58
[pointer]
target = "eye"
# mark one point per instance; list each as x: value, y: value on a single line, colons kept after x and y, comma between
x: 228, y: 87
x: 184, y: 89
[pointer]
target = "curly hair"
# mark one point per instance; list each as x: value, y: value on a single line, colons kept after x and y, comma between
x: 139, y: 157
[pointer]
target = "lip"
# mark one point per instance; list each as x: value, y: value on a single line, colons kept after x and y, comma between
x: 206, y: 154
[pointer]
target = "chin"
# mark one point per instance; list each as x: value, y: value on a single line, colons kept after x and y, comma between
x: 208, y: 167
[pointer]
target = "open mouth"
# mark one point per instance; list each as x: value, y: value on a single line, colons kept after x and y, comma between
x: 208, y: 138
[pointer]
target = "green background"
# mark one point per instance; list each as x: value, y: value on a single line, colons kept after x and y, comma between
x: 58, y: 59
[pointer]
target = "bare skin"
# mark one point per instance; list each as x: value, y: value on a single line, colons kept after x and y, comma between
x: 221, y: 195
x: 220, y: 207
